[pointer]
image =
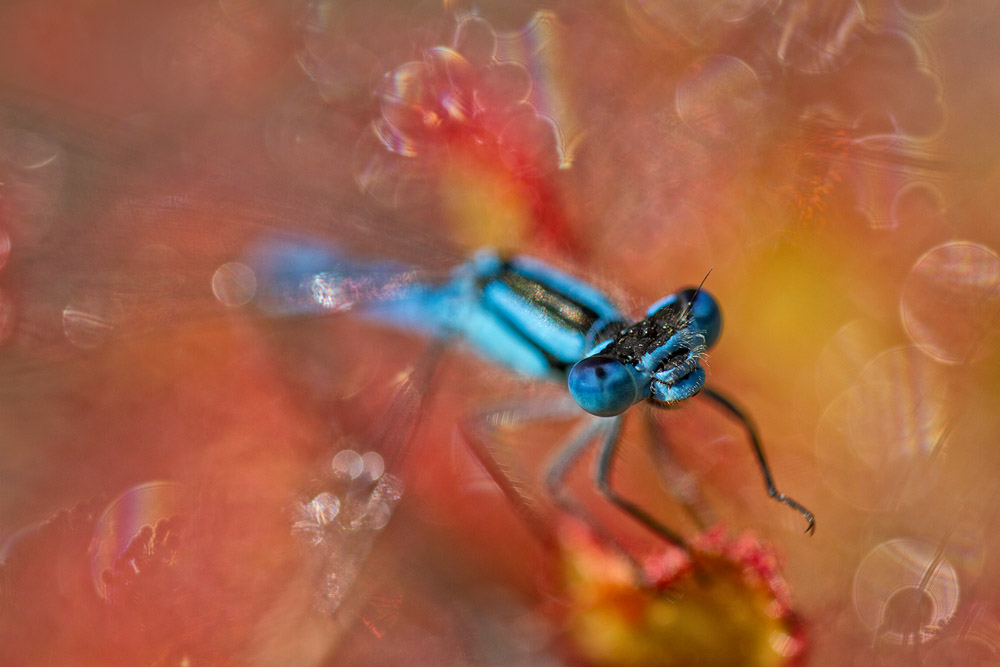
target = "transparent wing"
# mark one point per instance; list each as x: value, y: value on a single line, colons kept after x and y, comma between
x: 295, y: 277
x: 107, y: 233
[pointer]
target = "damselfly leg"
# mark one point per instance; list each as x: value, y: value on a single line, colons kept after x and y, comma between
x: 602, y: 435
x: 758, y: 450
x: 481, y: 432
x: 679, y: 482
x: 602, y: 481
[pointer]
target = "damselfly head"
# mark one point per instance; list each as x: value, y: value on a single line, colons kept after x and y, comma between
x: 658, y: 357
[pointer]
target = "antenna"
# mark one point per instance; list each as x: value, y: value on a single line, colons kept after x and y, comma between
x: 687, y: 310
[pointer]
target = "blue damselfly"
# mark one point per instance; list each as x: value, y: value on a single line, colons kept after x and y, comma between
x: 527, y: 316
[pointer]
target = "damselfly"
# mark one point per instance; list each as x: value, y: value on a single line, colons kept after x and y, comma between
x: 534, y: 319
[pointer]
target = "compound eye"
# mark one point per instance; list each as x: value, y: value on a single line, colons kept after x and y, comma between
x: 705, y: 313
x: 602, y: 386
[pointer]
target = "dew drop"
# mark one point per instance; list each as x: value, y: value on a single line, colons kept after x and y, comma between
x: 374, y: 466
x: 27, y: 150
x: 904, y: 591
x: 720, y: 97
x: 693, y: 21
x: 234, y: 284
x: 89, y: 322
x: 813, y: 36
x: 348, y: 464
x: 476, y: 40
x: 876, y: 441
x: 950, y: 300
x: 137, y: 533
x: 503, y: 86
x: 322, y: 509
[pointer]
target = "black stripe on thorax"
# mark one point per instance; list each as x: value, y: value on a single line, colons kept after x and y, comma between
x: 562, y: 308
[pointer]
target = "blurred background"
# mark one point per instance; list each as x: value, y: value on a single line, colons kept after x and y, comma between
x: 186, y: 482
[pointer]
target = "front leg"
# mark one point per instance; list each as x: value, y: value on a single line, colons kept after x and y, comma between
x: 681, y: 485
x: 758, y: 450
x: 602, y: 480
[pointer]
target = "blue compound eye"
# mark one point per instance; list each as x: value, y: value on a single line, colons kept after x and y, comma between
x: 603, y: 386
x: 705, y: 313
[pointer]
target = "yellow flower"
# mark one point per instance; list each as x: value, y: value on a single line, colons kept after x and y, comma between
x: 725, y: 603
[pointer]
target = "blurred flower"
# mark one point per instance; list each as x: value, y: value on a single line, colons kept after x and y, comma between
x: 725, y: 603
x: 464, y: 121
